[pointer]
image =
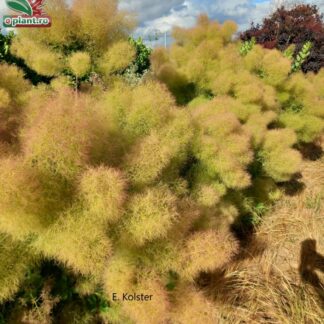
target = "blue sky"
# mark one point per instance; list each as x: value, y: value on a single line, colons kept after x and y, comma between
x: 161, y: 15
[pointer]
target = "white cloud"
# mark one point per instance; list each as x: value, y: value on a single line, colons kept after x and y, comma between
x: 3, y: 7
x: 244, y: 12
x: 184, y: 17
x: 186, y: 14
x: 231, y: 8
x: 147, y: 10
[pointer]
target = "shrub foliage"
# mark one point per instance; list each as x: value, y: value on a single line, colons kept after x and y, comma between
x: 124, y: 189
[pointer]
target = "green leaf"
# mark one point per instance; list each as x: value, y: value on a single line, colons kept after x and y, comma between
x: 20, y: 6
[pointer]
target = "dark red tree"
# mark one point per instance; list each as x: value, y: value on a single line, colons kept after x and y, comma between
x: 295, y: 26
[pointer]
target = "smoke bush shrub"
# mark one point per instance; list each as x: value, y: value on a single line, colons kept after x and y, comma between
x: 258, y: 82
x: 200, y: 254
x: 152, y: 311
x: 16, y: 259
x: 75, y: 44
x: 38, y: 57
x: 130, y: 192
x: 80, y: 64
x: 55, y: 145
x: 17, y: 203
x: 85, y: 248
x: 191, y: 306
x: 13, y: 89
x: 103, y: 193
x: 117, y: 58
x: 150, y: 215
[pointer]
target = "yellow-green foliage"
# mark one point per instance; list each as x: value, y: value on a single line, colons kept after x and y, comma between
x: 61, y: 28
x: 76, y: 241
x: 41, y: 59
x: 151, y: 311
x: 109, y: 23
x: 306, y: 126
x: 275, y: 68
x: 120, y: 274
x: 116, y: 315
x: 150, y: 215
x: 80, y: 63
x: 161, y: 256
x: 191, y: 306
x: 317, y: 81
x: 15, y: 260
x: 151, y: 105
x: 4, y: 98
x: 13, y: 84
x: 94, y: 27
x: 60, y: 83
x: 280, y: 161
x: 55, y: 144
x: 103, y: 192
x: 140, y: 110
x: 13, y: 88
x: 204, y: 252
x: 222, y: 148
x: 257, y: 124
x: 203, y: 61
x: 23, y: 205
x: 303, y: 101
x: 86, y: 285
x: 117, y: 58
x: 156, y: 152
x: 127, y: 190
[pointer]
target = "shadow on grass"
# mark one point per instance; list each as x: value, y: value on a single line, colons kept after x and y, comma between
x: 311, y: 151
x: 310, y: 262
x: 293, y: 187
